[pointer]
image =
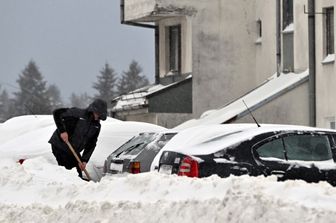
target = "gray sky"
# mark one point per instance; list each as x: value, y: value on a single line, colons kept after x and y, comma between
x: 70, y: 41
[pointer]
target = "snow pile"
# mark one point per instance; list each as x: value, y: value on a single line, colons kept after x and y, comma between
x: 41, y: 191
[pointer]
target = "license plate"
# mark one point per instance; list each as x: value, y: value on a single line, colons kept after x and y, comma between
x: 166, y: 169
x: 116, y: 167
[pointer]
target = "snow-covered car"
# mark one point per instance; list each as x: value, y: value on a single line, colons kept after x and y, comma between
x: 137, y: 154
x: 27, y: 136
x: 111, y: 137
x: 286, y: 151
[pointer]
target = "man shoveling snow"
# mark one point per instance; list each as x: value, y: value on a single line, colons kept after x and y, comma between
x: 77, y: 131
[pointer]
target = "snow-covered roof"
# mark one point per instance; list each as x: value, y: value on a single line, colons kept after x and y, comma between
x: 138, y: 98
x: 135, y: 99
x: 270, y: 89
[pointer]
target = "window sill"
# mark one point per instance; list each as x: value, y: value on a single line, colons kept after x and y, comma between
x: 258, y: 41
x: 329, y: 59
x: 289, y: 29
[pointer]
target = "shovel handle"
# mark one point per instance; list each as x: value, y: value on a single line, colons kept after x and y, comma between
x: 77, y: 158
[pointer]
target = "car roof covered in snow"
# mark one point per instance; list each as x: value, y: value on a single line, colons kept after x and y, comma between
x: 207, y: 139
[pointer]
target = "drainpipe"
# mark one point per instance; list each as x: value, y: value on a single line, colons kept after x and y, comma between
x: 157, y: 55
x: 312, y: 62
x: 278, y: 37
x: 156, y: 30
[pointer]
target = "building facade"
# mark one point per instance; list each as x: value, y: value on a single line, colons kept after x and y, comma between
x: 231, y: 47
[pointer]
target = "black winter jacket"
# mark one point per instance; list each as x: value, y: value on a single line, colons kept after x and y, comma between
x: 82, y: 129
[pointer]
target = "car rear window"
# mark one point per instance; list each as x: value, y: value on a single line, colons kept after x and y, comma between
x: 135, y: 142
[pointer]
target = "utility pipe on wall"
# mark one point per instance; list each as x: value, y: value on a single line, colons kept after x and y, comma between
x: 278, y: 37
x: 312, y: 62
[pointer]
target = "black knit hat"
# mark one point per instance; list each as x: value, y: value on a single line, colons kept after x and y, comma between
x: 99, y: 106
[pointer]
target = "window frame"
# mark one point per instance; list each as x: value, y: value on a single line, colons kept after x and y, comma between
x: 258, y: 31
x: 328, y: 31
x: 287, y: 13
x: 174, y: 48
x: 282, y: 135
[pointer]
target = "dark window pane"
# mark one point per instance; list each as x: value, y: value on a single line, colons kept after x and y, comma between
x: 329, y: 29
x: 259, y: 28
x: 287, y: 13
x: 332, y: 125
x: 174, y: 48
x: 308, y: 148
x: 273, y: 149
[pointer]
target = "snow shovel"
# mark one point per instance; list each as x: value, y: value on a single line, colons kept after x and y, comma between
x: 78, y: 160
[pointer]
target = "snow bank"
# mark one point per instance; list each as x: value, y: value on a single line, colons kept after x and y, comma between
x: 41, y: 191
x: 30, y: 193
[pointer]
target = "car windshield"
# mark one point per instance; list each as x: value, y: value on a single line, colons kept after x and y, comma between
x: 135, y: 142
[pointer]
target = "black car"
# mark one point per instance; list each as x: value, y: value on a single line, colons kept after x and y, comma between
x: 137, y: 155
x: 289, y: 152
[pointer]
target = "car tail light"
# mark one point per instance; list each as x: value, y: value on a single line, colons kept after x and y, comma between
x: 188, y: 167
x: 134, y: 167
x: 21, y: 161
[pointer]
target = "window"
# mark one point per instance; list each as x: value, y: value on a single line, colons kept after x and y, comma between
x: 329, y: 30
x: 297, y: 147
x: 307, y: 147
x: 174, y: 49
x: 135, y: 142
x: 273, y: 149
x: 287, y: 13
x: 287, y: 36
x: 332, y: 125
x: 330, y: 122
x: 259, y: 31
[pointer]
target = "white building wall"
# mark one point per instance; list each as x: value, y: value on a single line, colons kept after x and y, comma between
x: 266, y: 46
x: 223, y: 52
x: 135, y: 9
x: 289, y: 108
x: 300, y: 36
x: 220, y: 49
x: 325, y: 72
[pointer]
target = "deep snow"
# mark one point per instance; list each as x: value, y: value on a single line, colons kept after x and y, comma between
x: 41, y: 191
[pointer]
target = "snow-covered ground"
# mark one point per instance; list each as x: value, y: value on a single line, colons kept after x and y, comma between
x: 41, y: 191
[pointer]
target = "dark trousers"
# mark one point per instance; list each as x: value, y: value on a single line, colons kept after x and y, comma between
x: 65, y: 159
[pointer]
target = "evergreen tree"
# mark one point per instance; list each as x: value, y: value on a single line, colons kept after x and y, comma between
x: 6, y: 106
x: 33, y: 97
x: 80, y: 101
x: 106, y: 84
x: 54, y: 96
x: 132, y: 79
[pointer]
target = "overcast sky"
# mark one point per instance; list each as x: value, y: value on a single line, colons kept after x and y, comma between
x: 70, y: 41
